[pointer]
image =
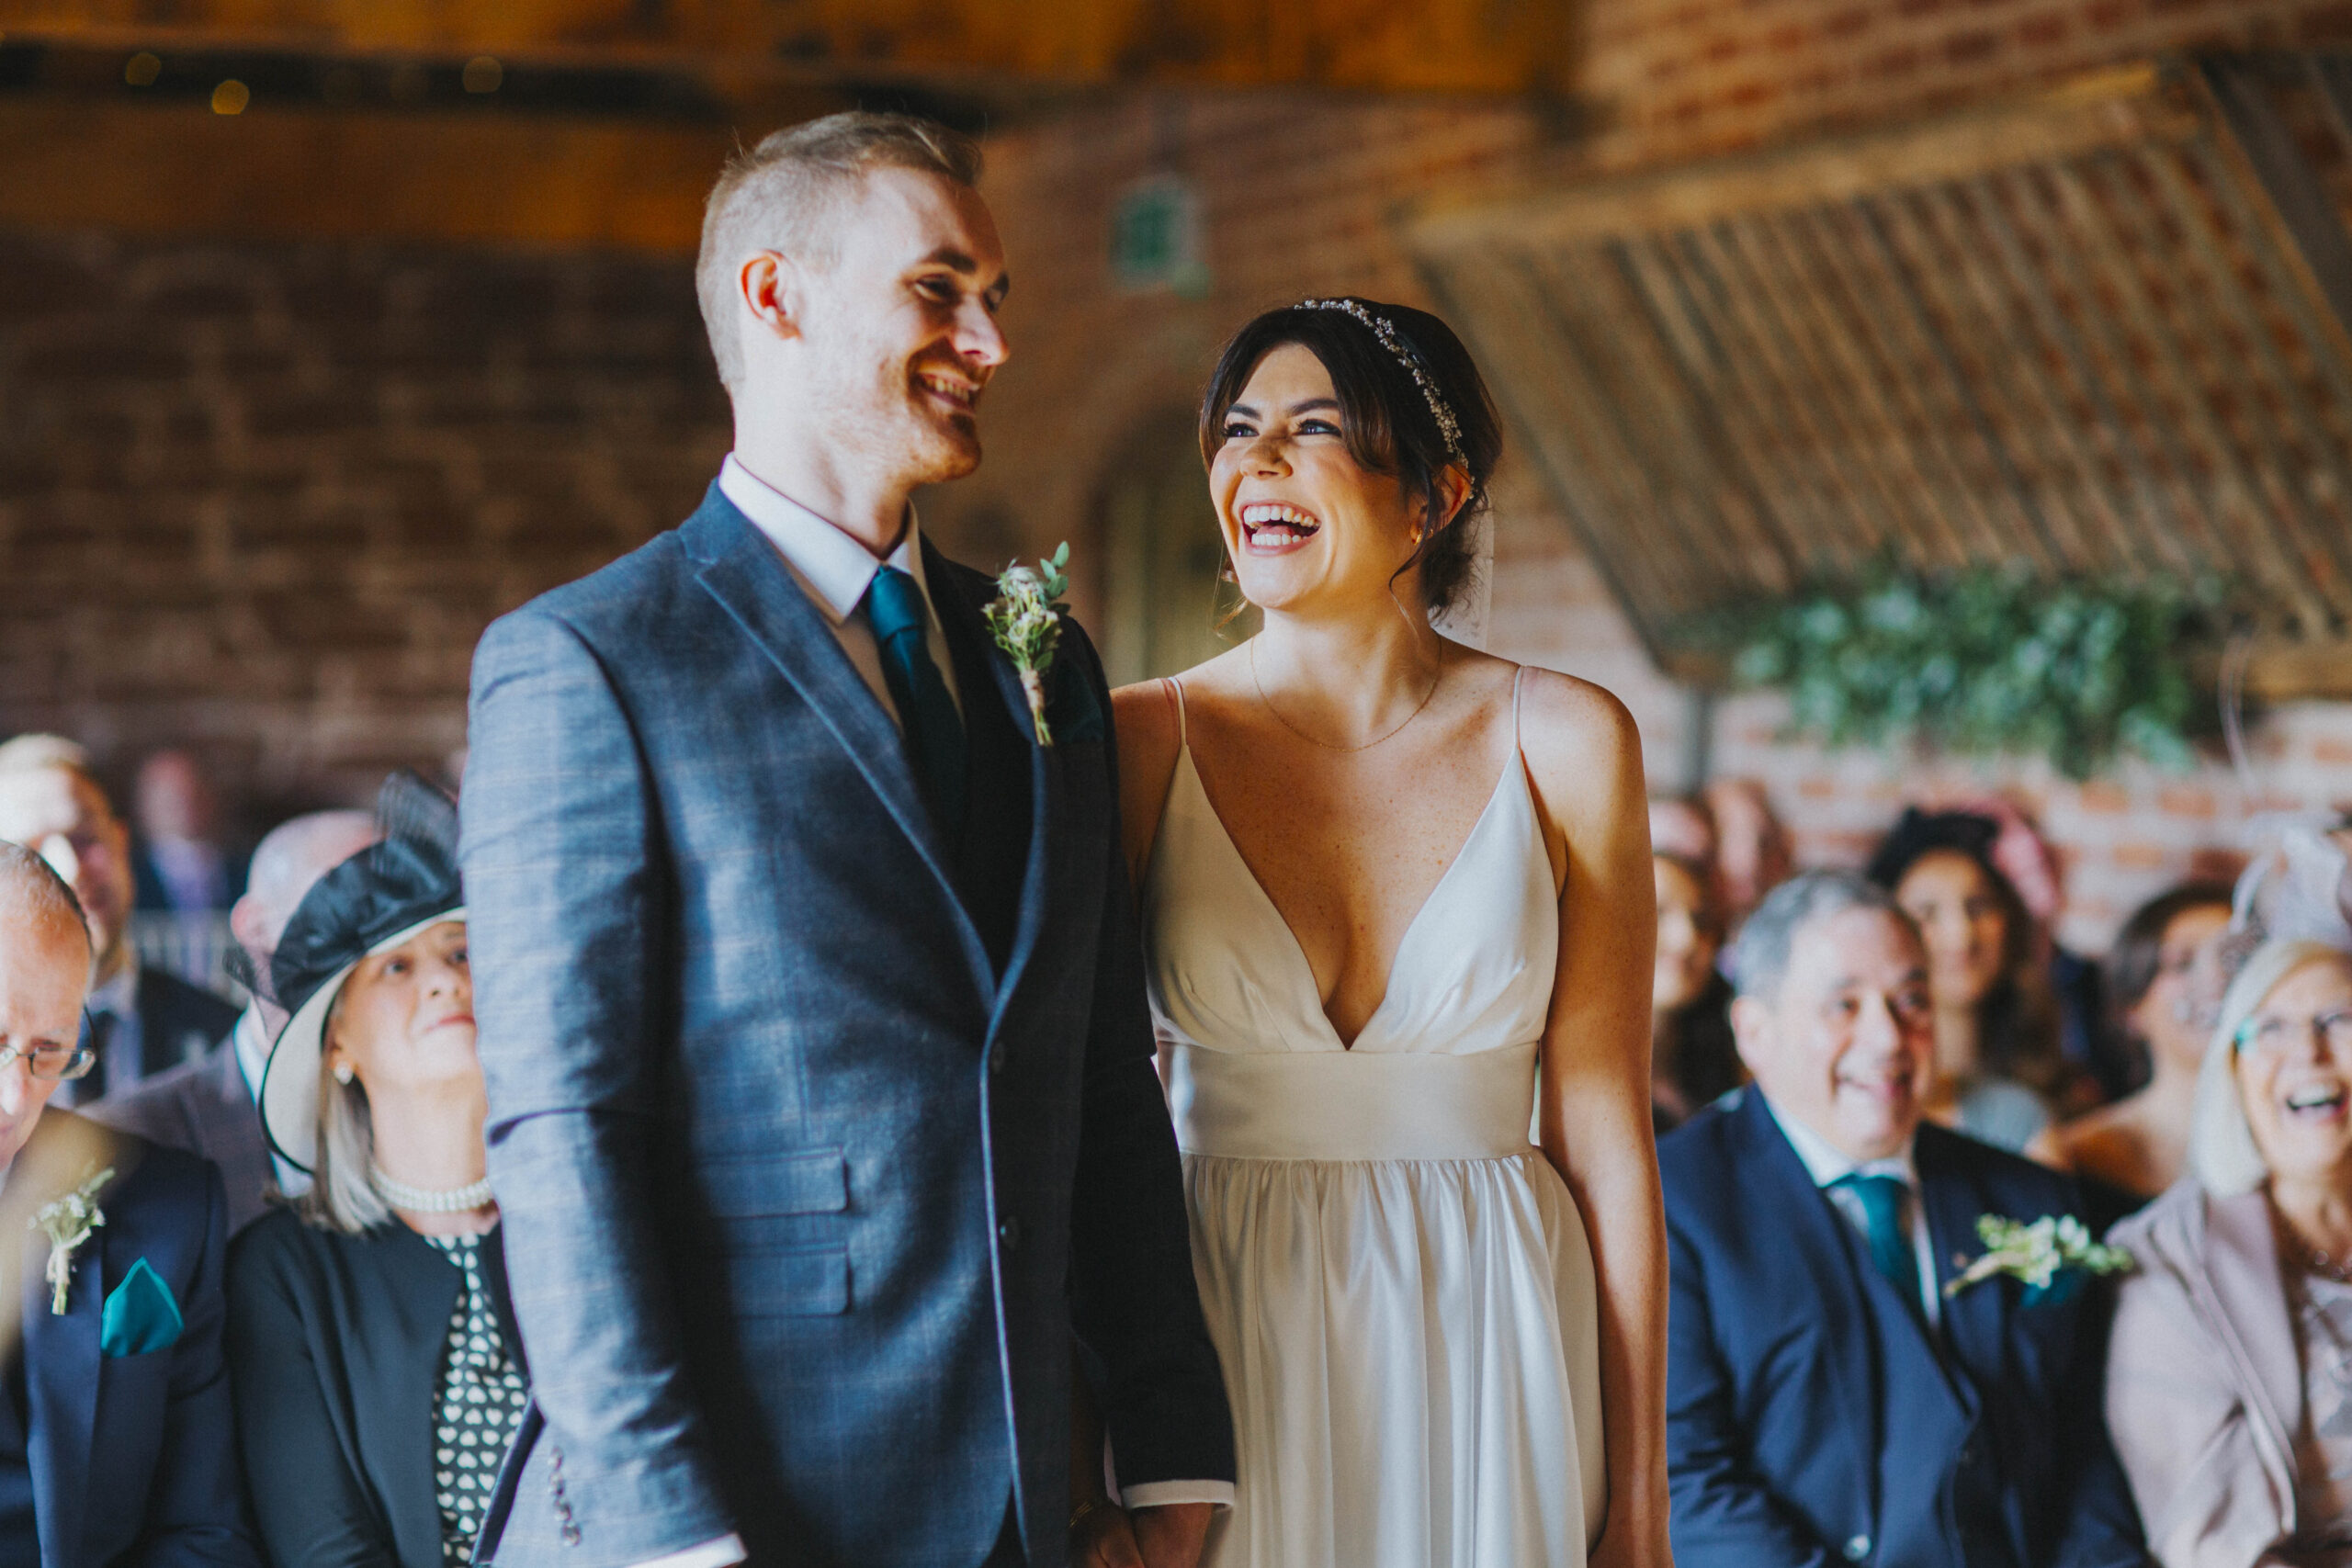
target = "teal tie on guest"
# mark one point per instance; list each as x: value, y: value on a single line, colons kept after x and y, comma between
x: 934, y: 731
x: 1882, y: 1198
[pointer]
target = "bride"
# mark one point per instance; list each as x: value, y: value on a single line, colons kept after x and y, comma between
x: 1382, y: 876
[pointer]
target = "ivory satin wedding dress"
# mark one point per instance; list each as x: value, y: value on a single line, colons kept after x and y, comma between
x: 1398, y: 1284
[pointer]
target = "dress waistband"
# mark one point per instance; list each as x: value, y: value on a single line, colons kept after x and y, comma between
x: 1337, y: 1105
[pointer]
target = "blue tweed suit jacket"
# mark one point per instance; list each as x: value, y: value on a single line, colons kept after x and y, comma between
x: 824, y: 1150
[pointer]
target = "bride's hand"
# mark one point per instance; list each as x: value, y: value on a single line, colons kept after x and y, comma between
x: 1170, y: 1537
x: 1631, y: 1548
x: 1103, y: 1537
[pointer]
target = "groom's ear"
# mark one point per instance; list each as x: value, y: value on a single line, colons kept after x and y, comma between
x: 773, y: 289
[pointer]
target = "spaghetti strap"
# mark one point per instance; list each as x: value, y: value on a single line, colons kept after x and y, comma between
x: 1518, y: 679
x: 1177, y: 686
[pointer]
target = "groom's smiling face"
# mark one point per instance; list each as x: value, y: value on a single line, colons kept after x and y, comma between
x: 899, y: 324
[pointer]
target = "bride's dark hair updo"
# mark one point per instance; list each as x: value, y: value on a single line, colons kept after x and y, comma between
x: 1385, y: 416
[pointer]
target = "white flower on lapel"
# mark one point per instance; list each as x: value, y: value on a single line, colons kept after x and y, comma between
x: 1026, y: 618
x: 69, y: 1221
x: 2035, y: 1253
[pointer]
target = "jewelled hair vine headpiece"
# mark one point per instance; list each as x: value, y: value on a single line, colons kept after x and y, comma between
x: 1382, y: 329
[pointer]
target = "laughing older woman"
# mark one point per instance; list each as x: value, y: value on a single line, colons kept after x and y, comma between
x: 2230, y: 1371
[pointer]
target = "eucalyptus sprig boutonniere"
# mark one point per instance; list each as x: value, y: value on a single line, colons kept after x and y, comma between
x: 2036, y: 1252
x: 68, y: 1221
x: 1026, y: 617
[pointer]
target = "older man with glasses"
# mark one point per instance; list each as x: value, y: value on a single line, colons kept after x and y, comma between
x: 1842, y: 1384
x: 142, y: 1020
x: 115, y: 1435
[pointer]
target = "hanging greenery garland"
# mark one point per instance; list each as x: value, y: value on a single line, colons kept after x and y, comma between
x: 1982, y: 662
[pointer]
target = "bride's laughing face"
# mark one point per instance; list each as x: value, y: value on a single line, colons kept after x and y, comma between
x: 1307, y: 526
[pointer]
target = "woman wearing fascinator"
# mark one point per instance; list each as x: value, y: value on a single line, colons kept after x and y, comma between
x: 1383, y: 876
x: 379, y: 1379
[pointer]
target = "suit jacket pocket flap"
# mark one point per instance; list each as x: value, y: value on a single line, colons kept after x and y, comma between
x: 814, y: 1182
x: 140, y: 1317
x: 771, y: 1281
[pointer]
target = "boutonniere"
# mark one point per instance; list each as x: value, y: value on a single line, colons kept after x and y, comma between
x: 69, y: 1221
x: 2035, y: 1253
x: 1026, y: 617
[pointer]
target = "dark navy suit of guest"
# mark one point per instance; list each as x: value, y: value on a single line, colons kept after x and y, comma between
x: 817, y: 1130
x: 116, y: 1444
x: 1814, y: 1416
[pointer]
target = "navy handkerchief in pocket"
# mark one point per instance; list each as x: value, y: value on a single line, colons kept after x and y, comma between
x: 140, y: 1317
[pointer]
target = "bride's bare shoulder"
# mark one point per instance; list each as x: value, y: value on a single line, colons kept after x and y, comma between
x: 1582, y: 748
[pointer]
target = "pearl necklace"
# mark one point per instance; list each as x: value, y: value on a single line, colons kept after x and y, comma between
x: 427, y: 1199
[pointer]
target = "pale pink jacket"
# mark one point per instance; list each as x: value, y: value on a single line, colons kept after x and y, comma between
x: 2204, y: 1386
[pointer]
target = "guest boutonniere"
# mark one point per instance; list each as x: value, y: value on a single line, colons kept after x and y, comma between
x: 68, y: 1222
x: 1026, y: 618
x: 2038, y: 1253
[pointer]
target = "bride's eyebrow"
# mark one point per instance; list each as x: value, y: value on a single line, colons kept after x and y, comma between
x: 1316, y: 405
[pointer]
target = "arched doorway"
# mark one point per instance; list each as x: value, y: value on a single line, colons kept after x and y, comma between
x: 1164, y: 607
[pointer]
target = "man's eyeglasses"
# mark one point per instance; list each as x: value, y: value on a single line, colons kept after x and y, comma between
x: 2276, y: 1036
x: 54, y: 1063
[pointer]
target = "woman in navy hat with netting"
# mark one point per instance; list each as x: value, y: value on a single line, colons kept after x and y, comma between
x: 378, y: 1376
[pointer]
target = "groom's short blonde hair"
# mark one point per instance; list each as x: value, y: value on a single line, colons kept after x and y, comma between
x: 777, y: 196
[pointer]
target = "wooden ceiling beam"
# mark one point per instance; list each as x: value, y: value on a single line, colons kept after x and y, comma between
x: 314, y: 174
x: 1470, y: 47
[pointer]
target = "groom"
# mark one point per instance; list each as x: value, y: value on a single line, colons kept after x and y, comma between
x: 822, y: 1114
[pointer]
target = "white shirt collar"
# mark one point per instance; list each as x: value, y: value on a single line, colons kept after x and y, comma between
x: 835, y: 568
x: 1827, y: 1164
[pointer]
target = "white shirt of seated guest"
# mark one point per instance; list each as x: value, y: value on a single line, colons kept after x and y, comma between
x: 834, y: 570
x: 1827, y: 1164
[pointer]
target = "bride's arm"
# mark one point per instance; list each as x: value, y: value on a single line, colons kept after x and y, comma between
x: 1585, y: 758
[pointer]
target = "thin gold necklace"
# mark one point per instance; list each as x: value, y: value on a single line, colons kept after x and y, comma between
x: 1435, y: 682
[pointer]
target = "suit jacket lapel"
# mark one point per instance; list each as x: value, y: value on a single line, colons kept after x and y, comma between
x: 1972, y: 1320
x: 742, y: 571
x: 1792, y: 1205
x: 962, y: 621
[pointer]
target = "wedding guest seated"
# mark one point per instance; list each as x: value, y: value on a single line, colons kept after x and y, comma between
x: 377, y: 1373
x: 209, y: 1107
x: 141, y: 1019
x: 1692, y: 1059
x: 1996, y: 1031
x: 1752, y: 851
x: 2136, y: 1147
x: 1830, y: 1397
x: 185, y: 873
x: 115, y: 1443
x: 1684, y: 825
x: 2227, y: 1390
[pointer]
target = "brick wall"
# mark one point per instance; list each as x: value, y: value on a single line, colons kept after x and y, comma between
x: 261, y: 499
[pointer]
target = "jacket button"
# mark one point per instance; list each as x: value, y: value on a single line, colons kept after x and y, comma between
x: 1858, y: 1548
x: 996, y: 1057
x: 1008, y: 1233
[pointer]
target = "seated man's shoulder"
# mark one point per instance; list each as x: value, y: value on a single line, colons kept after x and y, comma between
x: 2016, y: 1179
x: 1691, y: 1158
x: 150, y: 1184
x: 151, y: 1107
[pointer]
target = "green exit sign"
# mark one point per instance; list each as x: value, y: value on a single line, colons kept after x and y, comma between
x: 1156, y: 238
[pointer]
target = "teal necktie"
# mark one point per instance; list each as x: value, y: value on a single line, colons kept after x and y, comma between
x: 934, y: 731
x: 1890, y: 1241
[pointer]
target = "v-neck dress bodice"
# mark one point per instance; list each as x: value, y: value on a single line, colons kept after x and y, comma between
x: 1399, y: 1286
